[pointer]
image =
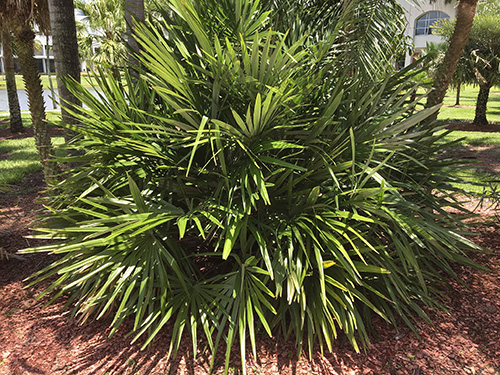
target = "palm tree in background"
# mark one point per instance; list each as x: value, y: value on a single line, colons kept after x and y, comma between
x: 436, y: 53
x: 16, y: 122
x: 480, y: 62
x: 134, y: 10
x: 105, y: 24
x: 65, y: 44
x: 466, y: 9
x: 23, y: 14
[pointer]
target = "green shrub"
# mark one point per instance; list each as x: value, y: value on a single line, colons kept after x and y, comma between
x: 247, y: 184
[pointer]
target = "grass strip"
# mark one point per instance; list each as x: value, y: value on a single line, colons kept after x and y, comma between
x: 18, y: 158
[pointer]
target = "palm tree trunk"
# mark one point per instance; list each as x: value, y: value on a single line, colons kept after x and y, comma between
x: 465, y: 15
x: 134, y: 10
x: 25, y: 51
x: 481, y: 104
x: 66, y: 58
x: 46, y: 52
x: 16, y: 123
x: 457, y: 100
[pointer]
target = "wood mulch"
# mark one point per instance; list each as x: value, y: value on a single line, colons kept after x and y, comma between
x: 28, y: 132
x: 470, y: 127
x: 44, y: 340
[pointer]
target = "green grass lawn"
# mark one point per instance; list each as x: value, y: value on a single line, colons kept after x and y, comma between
x: 468, y: 97
x: 18, y: 158
x: 472, y: 172
x: 481, y: 180
x: 480, y: 183
x: 473, y: 138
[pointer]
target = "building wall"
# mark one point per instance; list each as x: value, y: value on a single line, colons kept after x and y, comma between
x: 41, y: 51
x: 414, y: 12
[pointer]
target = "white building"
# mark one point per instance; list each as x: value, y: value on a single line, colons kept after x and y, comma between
x: 420, y: 18
x: 44, y: 55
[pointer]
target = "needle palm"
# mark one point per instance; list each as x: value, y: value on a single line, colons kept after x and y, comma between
x: 251, y: 183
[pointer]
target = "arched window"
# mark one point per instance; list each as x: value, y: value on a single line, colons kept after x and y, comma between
x: 424, y: 23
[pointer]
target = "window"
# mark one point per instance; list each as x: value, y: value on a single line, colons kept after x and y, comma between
x: 424, y: 24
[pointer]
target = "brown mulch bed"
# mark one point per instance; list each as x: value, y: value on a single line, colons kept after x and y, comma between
x: 470, y: 127
x: 44, y: 340
x: 17, y: 209
x: 28, y: 132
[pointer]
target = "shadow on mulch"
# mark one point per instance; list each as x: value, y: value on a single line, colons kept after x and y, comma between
x: 18, y: 207
x: 5, y: 133
x: 462, y: 341
x: 470, y: 127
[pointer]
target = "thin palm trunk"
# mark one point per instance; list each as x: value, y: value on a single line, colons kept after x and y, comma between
x: 481, y: 104
x: 457, y: 99
x: 66, y: 59
x: 47, y: 65
x: 465, y: 15
x: 65, y: 46
x: 16, y: 123
x: 25, y: 51
x: 134, y: 10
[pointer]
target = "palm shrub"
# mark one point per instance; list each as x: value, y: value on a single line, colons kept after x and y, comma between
x: 250, y: 184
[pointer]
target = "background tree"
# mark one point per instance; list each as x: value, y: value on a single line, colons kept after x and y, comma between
x: 16, y: 122
x: 481, y: 58
x: 466, y: 10
x: 134, y: 10
x: 463, y: 73
x: 23, y: 14
x: 66, y: 58
x: 461, y: 77
x: 484, y: 49
x: 105, y: 26
x: 488, y: 7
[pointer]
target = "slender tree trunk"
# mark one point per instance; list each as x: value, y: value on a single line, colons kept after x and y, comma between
x: 66, y: 58
x: 466, y: 10
x: 134, y: 10
x: 457, y: 100
x: 481, y: 104
x: 16, y: 123
x: 25, y: 51
x: 47, y: 64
